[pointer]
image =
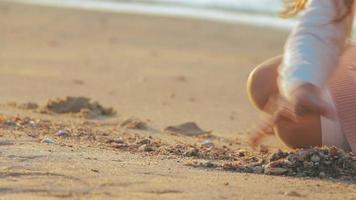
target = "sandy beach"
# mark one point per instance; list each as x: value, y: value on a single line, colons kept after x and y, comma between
x: 158, y: 71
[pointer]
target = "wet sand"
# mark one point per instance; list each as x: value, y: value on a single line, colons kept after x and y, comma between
x: 164, y: 71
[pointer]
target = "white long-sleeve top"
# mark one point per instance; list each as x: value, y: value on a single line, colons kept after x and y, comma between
x: 314, y: 47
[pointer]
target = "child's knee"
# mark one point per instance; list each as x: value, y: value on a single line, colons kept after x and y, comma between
x: 261, y: 84
x: 306, y: 133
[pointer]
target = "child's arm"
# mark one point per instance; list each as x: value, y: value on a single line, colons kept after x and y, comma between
x: 314, y: 47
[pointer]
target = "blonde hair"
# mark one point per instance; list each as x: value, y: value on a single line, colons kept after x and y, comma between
x: 293, y: 7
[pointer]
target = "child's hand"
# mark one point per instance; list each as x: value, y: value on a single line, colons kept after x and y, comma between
x: 307, y: 99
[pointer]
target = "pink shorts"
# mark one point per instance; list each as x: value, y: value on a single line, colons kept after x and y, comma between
x: 331, y: 130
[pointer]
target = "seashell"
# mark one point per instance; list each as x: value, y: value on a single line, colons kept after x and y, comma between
x: 134, y: 124
x: 209, y: 164
x: 47, y: 141
x: 207, y: 143
x: 258, y: 169
x: 146, y: 148
x: 119, y: 145
x: 145, y: 141
x: 287, y: 163
x: 308, y: 164
x: 275, y: 171
x: 62, y: 133
x: 334, y: 151
x: 302, y: 154
x: 118, y: 141
x: 10, y: 123
x: 264, y: 149
x: 322, y: 175
x: 315, y: 158
x: 241, y: 153
x: 191, y: 152
x: 327, y: 162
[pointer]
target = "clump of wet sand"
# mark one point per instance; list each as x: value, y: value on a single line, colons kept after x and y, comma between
x: 78, y: 106
x: 81, y: 106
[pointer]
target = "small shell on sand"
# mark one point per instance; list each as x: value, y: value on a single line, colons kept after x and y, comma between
x: 134, y: 124
x: 147, y: 148
x: 29, y: 106
x: 62, y: 133
x: 117, y: 143
x: 47, y: 141
x: 207, y: 143
x: 275, y: 170
x: 188, y: 129
x: 258, y: 169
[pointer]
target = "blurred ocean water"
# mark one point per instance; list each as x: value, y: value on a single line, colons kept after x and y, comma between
x: 249, y: 12
x: 254, y: 6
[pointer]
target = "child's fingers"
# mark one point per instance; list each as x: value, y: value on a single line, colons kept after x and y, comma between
x: 255, y: 140
x: 314, y: 105
x: 262, y: 131
x: 284, y: 114
x: 325, y: 109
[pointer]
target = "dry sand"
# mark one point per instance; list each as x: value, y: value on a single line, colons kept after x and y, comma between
x: 164, y: 71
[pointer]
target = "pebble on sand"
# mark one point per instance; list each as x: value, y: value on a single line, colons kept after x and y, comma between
x: 187, y: 129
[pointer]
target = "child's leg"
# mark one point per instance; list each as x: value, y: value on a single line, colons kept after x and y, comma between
x: 262, y: 83
x: 262, y: 86
x: 306, y: 133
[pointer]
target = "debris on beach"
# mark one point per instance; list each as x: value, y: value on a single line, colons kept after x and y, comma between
x: 147, y: 147
x: 187, y: 129
x: 47, y: 141
x: 117, y: 143
x: 207, y: 143
x: 181, y: 78
x: 80, y: 106
x: 78, y: 82
x: 62, y: 133
x: 325, y: 162
x: 25, y: 106
x: 29, y: 106
x: 293, y: 194
x: 134, y: 124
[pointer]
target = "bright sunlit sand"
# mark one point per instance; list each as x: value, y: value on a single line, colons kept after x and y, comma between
x: 156, y: 108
